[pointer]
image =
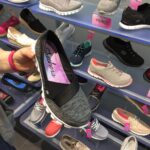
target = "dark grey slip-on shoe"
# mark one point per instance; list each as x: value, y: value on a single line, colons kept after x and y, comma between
x: 63, y: 96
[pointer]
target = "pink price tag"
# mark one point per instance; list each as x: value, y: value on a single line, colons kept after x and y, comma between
x: 148, y: 93
x: 127, y: 127
x: 90, y: 35
x: 88, y: 133
x: 135, y: 3
x: 101, y: 21
x: 145, y: 109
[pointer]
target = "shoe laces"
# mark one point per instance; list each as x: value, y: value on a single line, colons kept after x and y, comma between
x: 78, y: 51
x: 95, y: 125
x: 117, y: 71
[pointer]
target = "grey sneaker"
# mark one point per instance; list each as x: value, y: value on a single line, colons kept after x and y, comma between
x: 109, y: 74
x: 108, y: 6
x: 38, y: 113
x: 130, y: 143
x: 98, y: 132
x: 64, y: 31
x: 61, y: 7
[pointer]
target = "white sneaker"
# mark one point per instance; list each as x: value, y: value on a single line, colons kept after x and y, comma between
x: 18, y: 1
x: 109, y: 74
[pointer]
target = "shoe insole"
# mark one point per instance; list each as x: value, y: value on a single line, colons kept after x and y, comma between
x: 53, y: 65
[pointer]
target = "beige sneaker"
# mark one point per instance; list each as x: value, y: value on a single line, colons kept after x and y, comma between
x: 109, y: 74
x: 16, y: 37
x: 130, y: 143
x: 34, y: 77
x: 130, y: 121
x: 61, y: 7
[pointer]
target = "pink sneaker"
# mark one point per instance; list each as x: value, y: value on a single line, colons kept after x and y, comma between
x: 53, y: 128
x: 12, y: 21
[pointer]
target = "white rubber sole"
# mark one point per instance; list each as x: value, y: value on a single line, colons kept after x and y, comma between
x: 133, y: 27
x: 16, y: 1
x: 113, y: 117
x: 106, y: 81
x: 49, y: 8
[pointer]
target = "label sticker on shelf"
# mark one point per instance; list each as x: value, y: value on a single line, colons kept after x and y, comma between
x: 148, y: 93
x: 135, y: 3
x: 90, y: 35
x: 88, y: 133
x: 101, y: 21
x: 127, y: 127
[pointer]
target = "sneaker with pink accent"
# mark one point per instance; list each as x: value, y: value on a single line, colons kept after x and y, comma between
x: 12, y: 21
x: 131, y: 122
x: 53, y: 128
x: 109, y: 74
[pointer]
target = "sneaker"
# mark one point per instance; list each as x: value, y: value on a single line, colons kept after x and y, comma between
x: 95, y: 96
x: 62, y: 94
x: 53, y: 128
x: 64, y: 31
x: 108, y: 7
x: 145, y: 109
x: 123, y: 51
x: 38, y: 112
x: 81, y: 51
x: 20, y: 39
x: 98, y: 132
x: 12, y: 21
x: 109, y: 74
x: 27, y: 18
x: 18, y: 1
x: 130, y: 143
x: 146, y: 75
x: 69, y: 143
x: 34, y: 77
x: 136, y: 19
x: 61, y: 7
x: 131, y: 122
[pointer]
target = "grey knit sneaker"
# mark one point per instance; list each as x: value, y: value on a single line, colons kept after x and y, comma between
x: 108, y: 7
x: 62, y: 94
x: 61, y: 7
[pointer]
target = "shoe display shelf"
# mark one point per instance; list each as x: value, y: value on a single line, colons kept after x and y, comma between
x: 22, y: 100
x: 21, y: 5
x: 84, y: 19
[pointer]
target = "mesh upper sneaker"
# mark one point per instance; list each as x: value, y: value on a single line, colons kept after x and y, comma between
x: 109, y: 74
x: 63, y: 96
x: 69, y: 143
x: 132, y: 19
x: 108, y: 6
x: 64, y: 31
x: 131, y: 122
x: 98, y: 132
x: 81, y: 51
x: 61, y: 7
x: 146, y: 75
x: 130, y: 143
x: 53, y: 128
x: 123, y: 51
x: 38, y: 112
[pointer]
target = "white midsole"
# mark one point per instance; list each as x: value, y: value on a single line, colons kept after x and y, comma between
x: 16, y: 1
x: 133, y: 27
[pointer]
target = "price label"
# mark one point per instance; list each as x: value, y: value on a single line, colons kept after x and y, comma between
x: 135, y: 3
x: 101, y: 21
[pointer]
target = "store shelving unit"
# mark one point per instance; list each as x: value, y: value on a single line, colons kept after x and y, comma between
x: 137, y: 90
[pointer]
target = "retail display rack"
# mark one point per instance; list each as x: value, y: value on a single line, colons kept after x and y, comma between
x: 138, y: 90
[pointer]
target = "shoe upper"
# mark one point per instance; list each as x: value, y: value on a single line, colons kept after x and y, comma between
x: 66, y: 100
x: 110, y: 73
x: 63, y: 5
x: 141, y: 16
x: 124, y: 50
x: 130, y: 143
x: 33, y: 23
x: 136, y: 125
x: 69, y: 143
x: 80, y: 52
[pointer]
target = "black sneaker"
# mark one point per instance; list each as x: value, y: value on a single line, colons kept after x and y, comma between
x: 146, y: 75
x: 132, y: 19
x: 123, y: 51
x: 81, y: 51
x: 27, y: 18
x: 95, y: 96
x: 62, y: 94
